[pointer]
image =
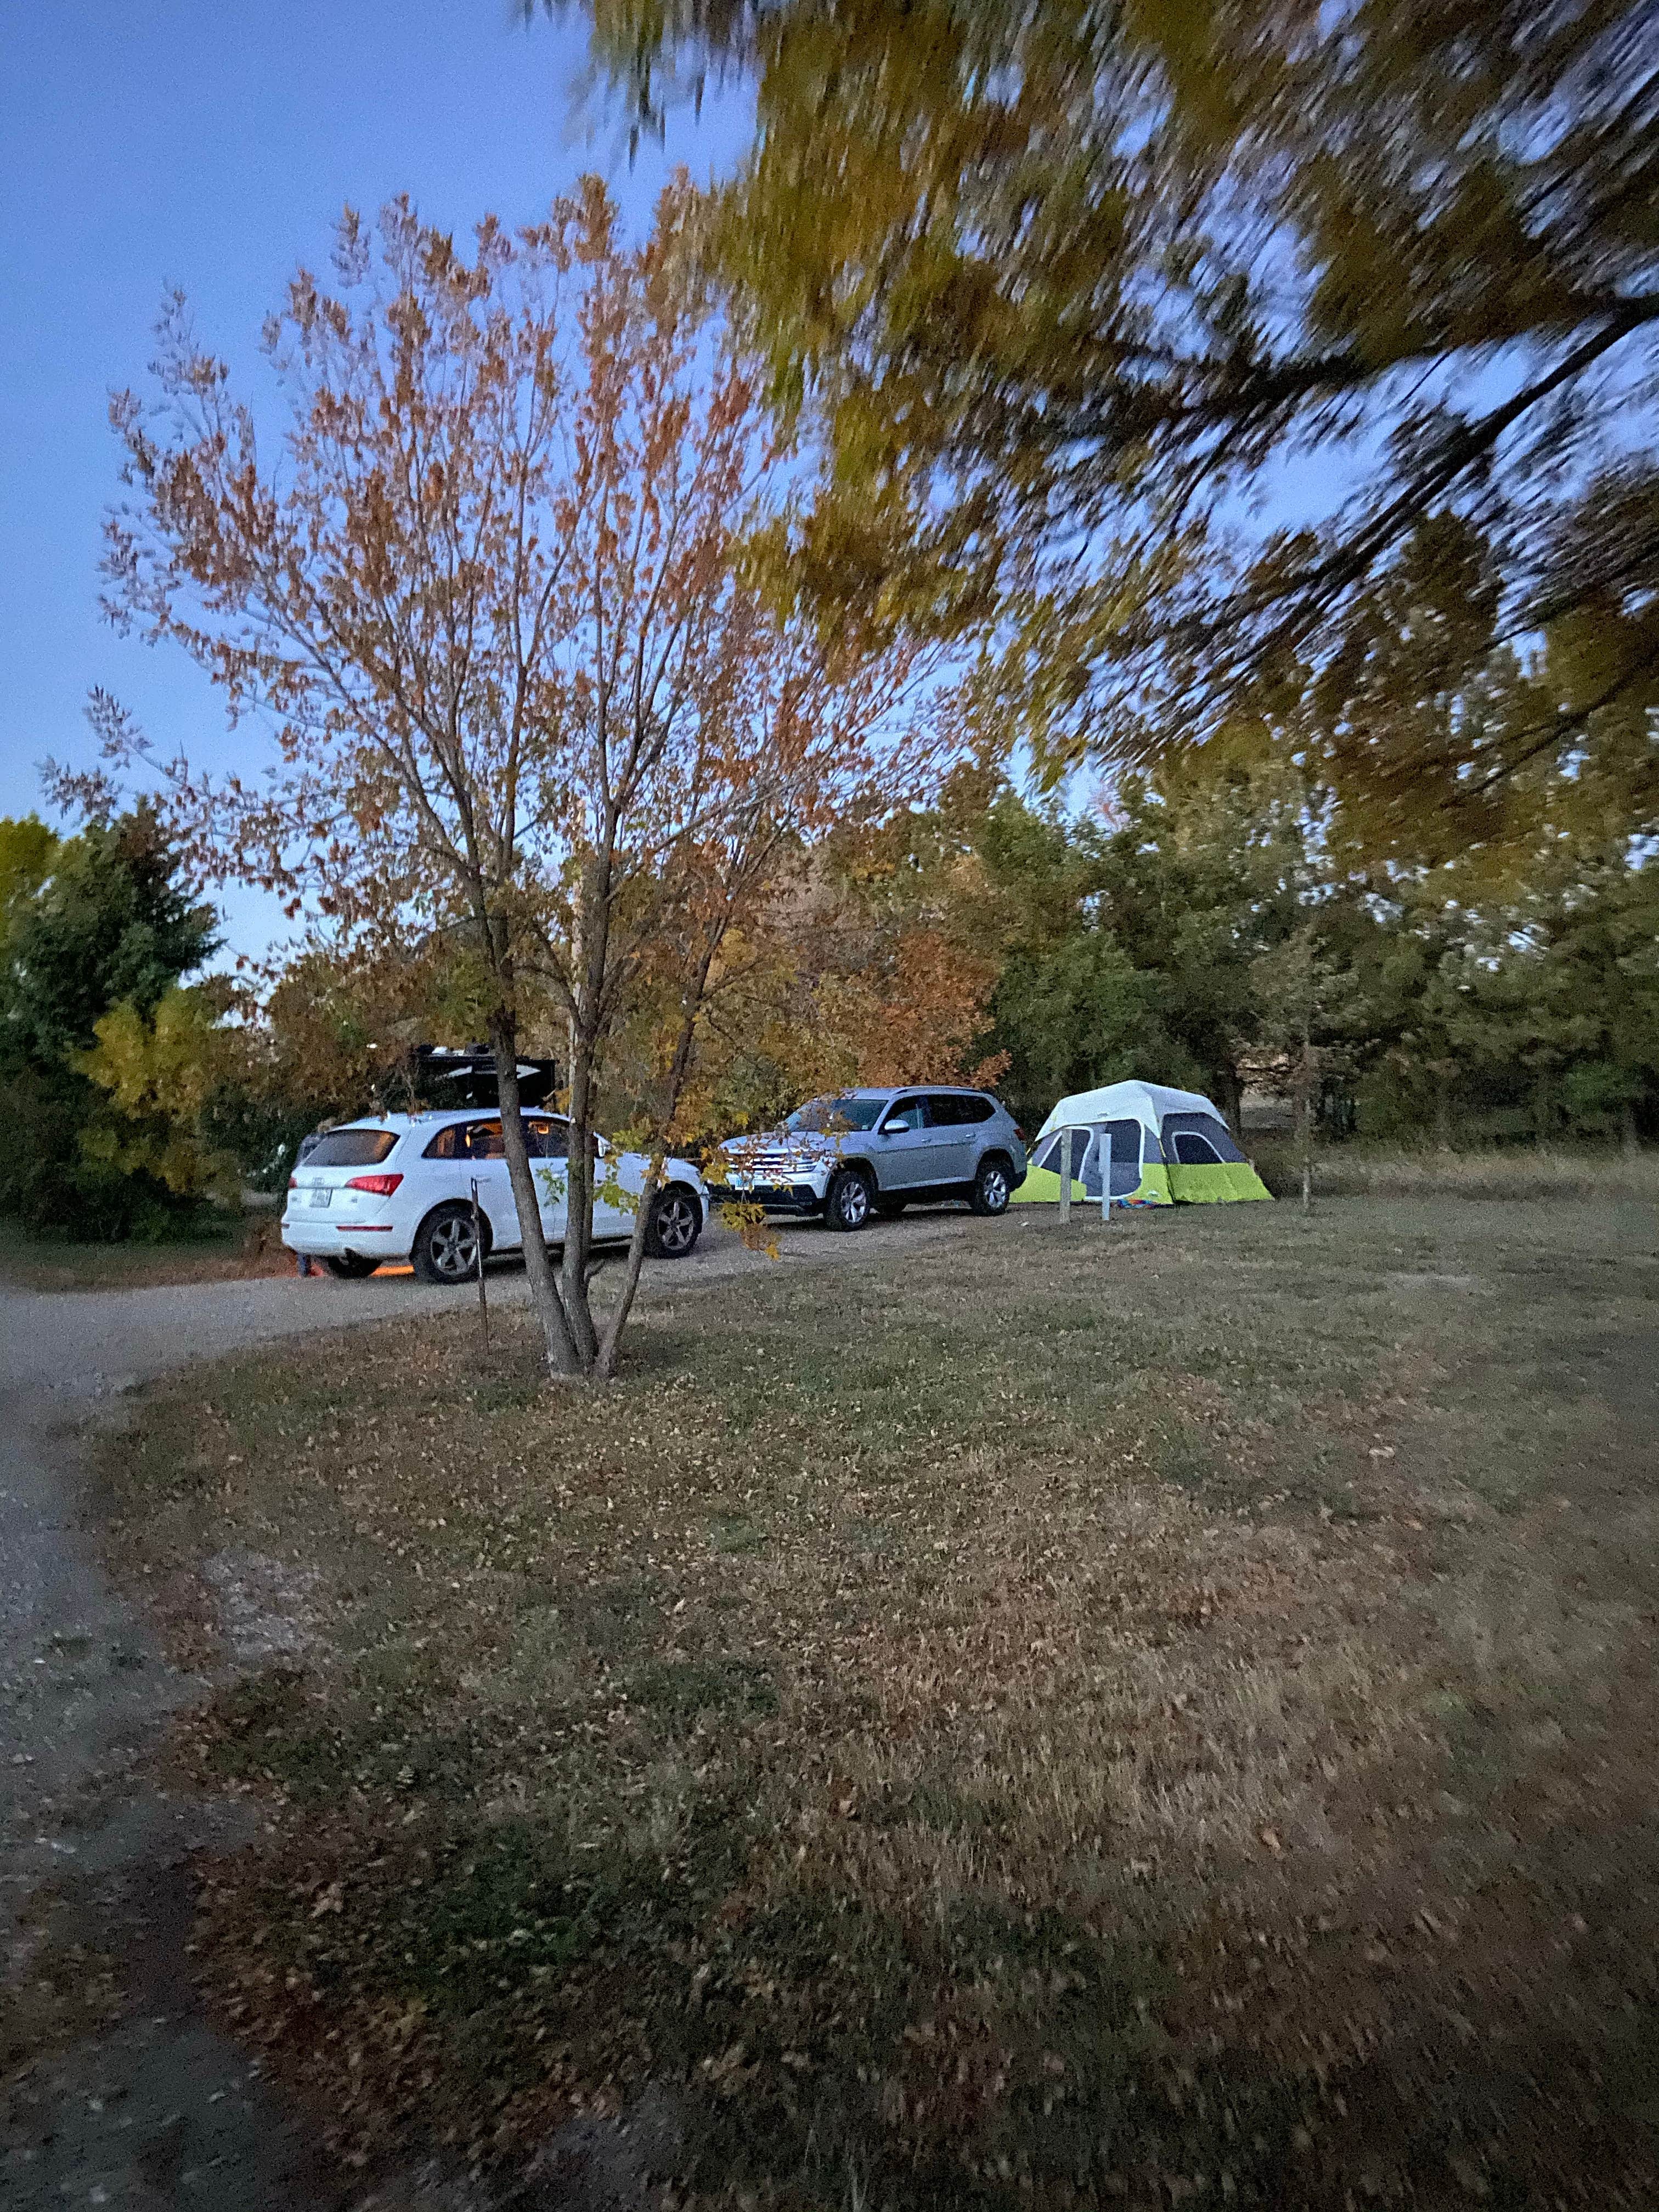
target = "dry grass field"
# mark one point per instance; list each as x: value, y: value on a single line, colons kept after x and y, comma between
x: 1155, y: 1715
x: 1515, y: 1172
x: 230, y: 1250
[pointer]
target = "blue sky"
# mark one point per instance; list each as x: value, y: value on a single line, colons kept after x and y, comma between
x: 187, y: 143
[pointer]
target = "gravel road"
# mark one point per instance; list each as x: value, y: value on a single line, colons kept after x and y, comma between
x: 134, y: 2100
x: 145, y: 2106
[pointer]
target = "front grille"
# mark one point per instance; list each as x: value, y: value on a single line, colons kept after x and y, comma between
x: 762, y: 1167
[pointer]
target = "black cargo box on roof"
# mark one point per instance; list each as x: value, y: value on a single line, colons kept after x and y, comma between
x: 446, y: 1076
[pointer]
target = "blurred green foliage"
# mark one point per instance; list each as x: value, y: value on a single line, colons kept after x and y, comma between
x: 1154, y: 345
x: 96, y: 933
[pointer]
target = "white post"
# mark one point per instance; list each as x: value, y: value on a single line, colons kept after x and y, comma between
x: 1105, y: 1176
x: 1066, y: 1174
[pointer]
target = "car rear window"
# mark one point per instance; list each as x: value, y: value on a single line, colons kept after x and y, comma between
x: 351, y: 1148
x: 951, y: 1109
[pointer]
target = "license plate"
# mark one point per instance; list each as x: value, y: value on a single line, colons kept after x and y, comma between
x: 321, y: 1197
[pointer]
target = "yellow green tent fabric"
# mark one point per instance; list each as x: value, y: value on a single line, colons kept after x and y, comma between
x: 1222, y: 1183
x: 1168, y: 1147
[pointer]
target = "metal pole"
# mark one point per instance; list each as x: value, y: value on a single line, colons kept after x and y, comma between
x: 477, y: 1246
x: 1105, y: 1176
x: 1066, y: 1174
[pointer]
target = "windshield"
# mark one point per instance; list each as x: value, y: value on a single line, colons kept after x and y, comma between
x: 826, y: 1116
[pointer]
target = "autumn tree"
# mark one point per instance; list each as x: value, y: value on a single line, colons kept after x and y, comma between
x: 491, y: 591
x: 330, y: 1031
x: 864, y: 976
x: 157, y: 1076
x: 1154, y: 335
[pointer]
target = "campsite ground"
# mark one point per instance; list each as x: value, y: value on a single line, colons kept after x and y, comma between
x: 1156, y: 1714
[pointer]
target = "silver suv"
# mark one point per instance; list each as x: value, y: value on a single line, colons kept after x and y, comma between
x: 858, y: 1152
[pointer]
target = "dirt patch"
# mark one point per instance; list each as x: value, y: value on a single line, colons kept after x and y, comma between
x: 264, y: 1606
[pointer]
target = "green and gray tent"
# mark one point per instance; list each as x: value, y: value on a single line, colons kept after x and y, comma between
x: 1167, y: 1148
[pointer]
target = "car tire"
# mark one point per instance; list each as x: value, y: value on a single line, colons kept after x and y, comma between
x: 676, y: 1224
x: 992, y: 1186
x: 445, y: 1247
x: 849, y: 1201
x: 891, y: 1208
x: 349, y: 1266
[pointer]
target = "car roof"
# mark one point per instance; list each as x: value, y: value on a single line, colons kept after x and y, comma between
x: 887, y: 1090
x: 437, y: 1117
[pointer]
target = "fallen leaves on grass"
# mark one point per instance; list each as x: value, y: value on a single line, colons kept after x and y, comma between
x: 936, y: 1749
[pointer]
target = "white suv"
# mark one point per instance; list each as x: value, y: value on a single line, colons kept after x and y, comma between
x: 400, y: 1188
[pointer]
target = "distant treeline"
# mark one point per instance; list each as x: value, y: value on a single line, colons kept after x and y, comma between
x: 1200, y: 929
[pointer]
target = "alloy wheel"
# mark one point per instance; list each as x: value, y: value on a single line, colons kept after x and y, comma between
x: 675, y: 1226
x: 855, y: 1202
x: 455, y: 1247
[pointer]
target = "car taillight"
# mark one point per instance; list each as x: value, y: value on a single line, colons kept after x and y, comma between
x: 293, y: 1182
x: 382, y: 1185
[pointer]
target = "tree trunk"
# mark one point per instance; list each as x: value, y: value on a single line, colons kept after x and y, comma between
x: 679, y: 1068
x: 1628, y: 1141
x: 611, y: 1339
x: 1442, y: 1126
x: 564, y: 1358
x: 1232, y: 1103
x: 578, y: 1205
x: 1306, y: 1090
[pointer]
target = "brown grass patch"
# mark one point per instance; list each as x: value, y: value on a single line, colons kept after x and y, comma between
x: 1060, y: 1717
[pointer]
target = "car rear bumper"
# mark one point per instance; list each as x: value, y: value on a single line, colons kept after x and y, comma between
x: 319, y: 1239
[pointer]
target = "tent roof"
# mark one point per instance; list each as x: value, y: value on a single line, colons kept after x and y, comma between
x: 1137, y: 1101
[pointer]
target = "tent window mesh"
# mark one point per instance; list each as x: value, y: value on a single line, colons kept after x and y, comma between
x: 1126, y: 1155
x: 1195, y: 1152
x: 1200, y: 1125
x: 1049, y: 1157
